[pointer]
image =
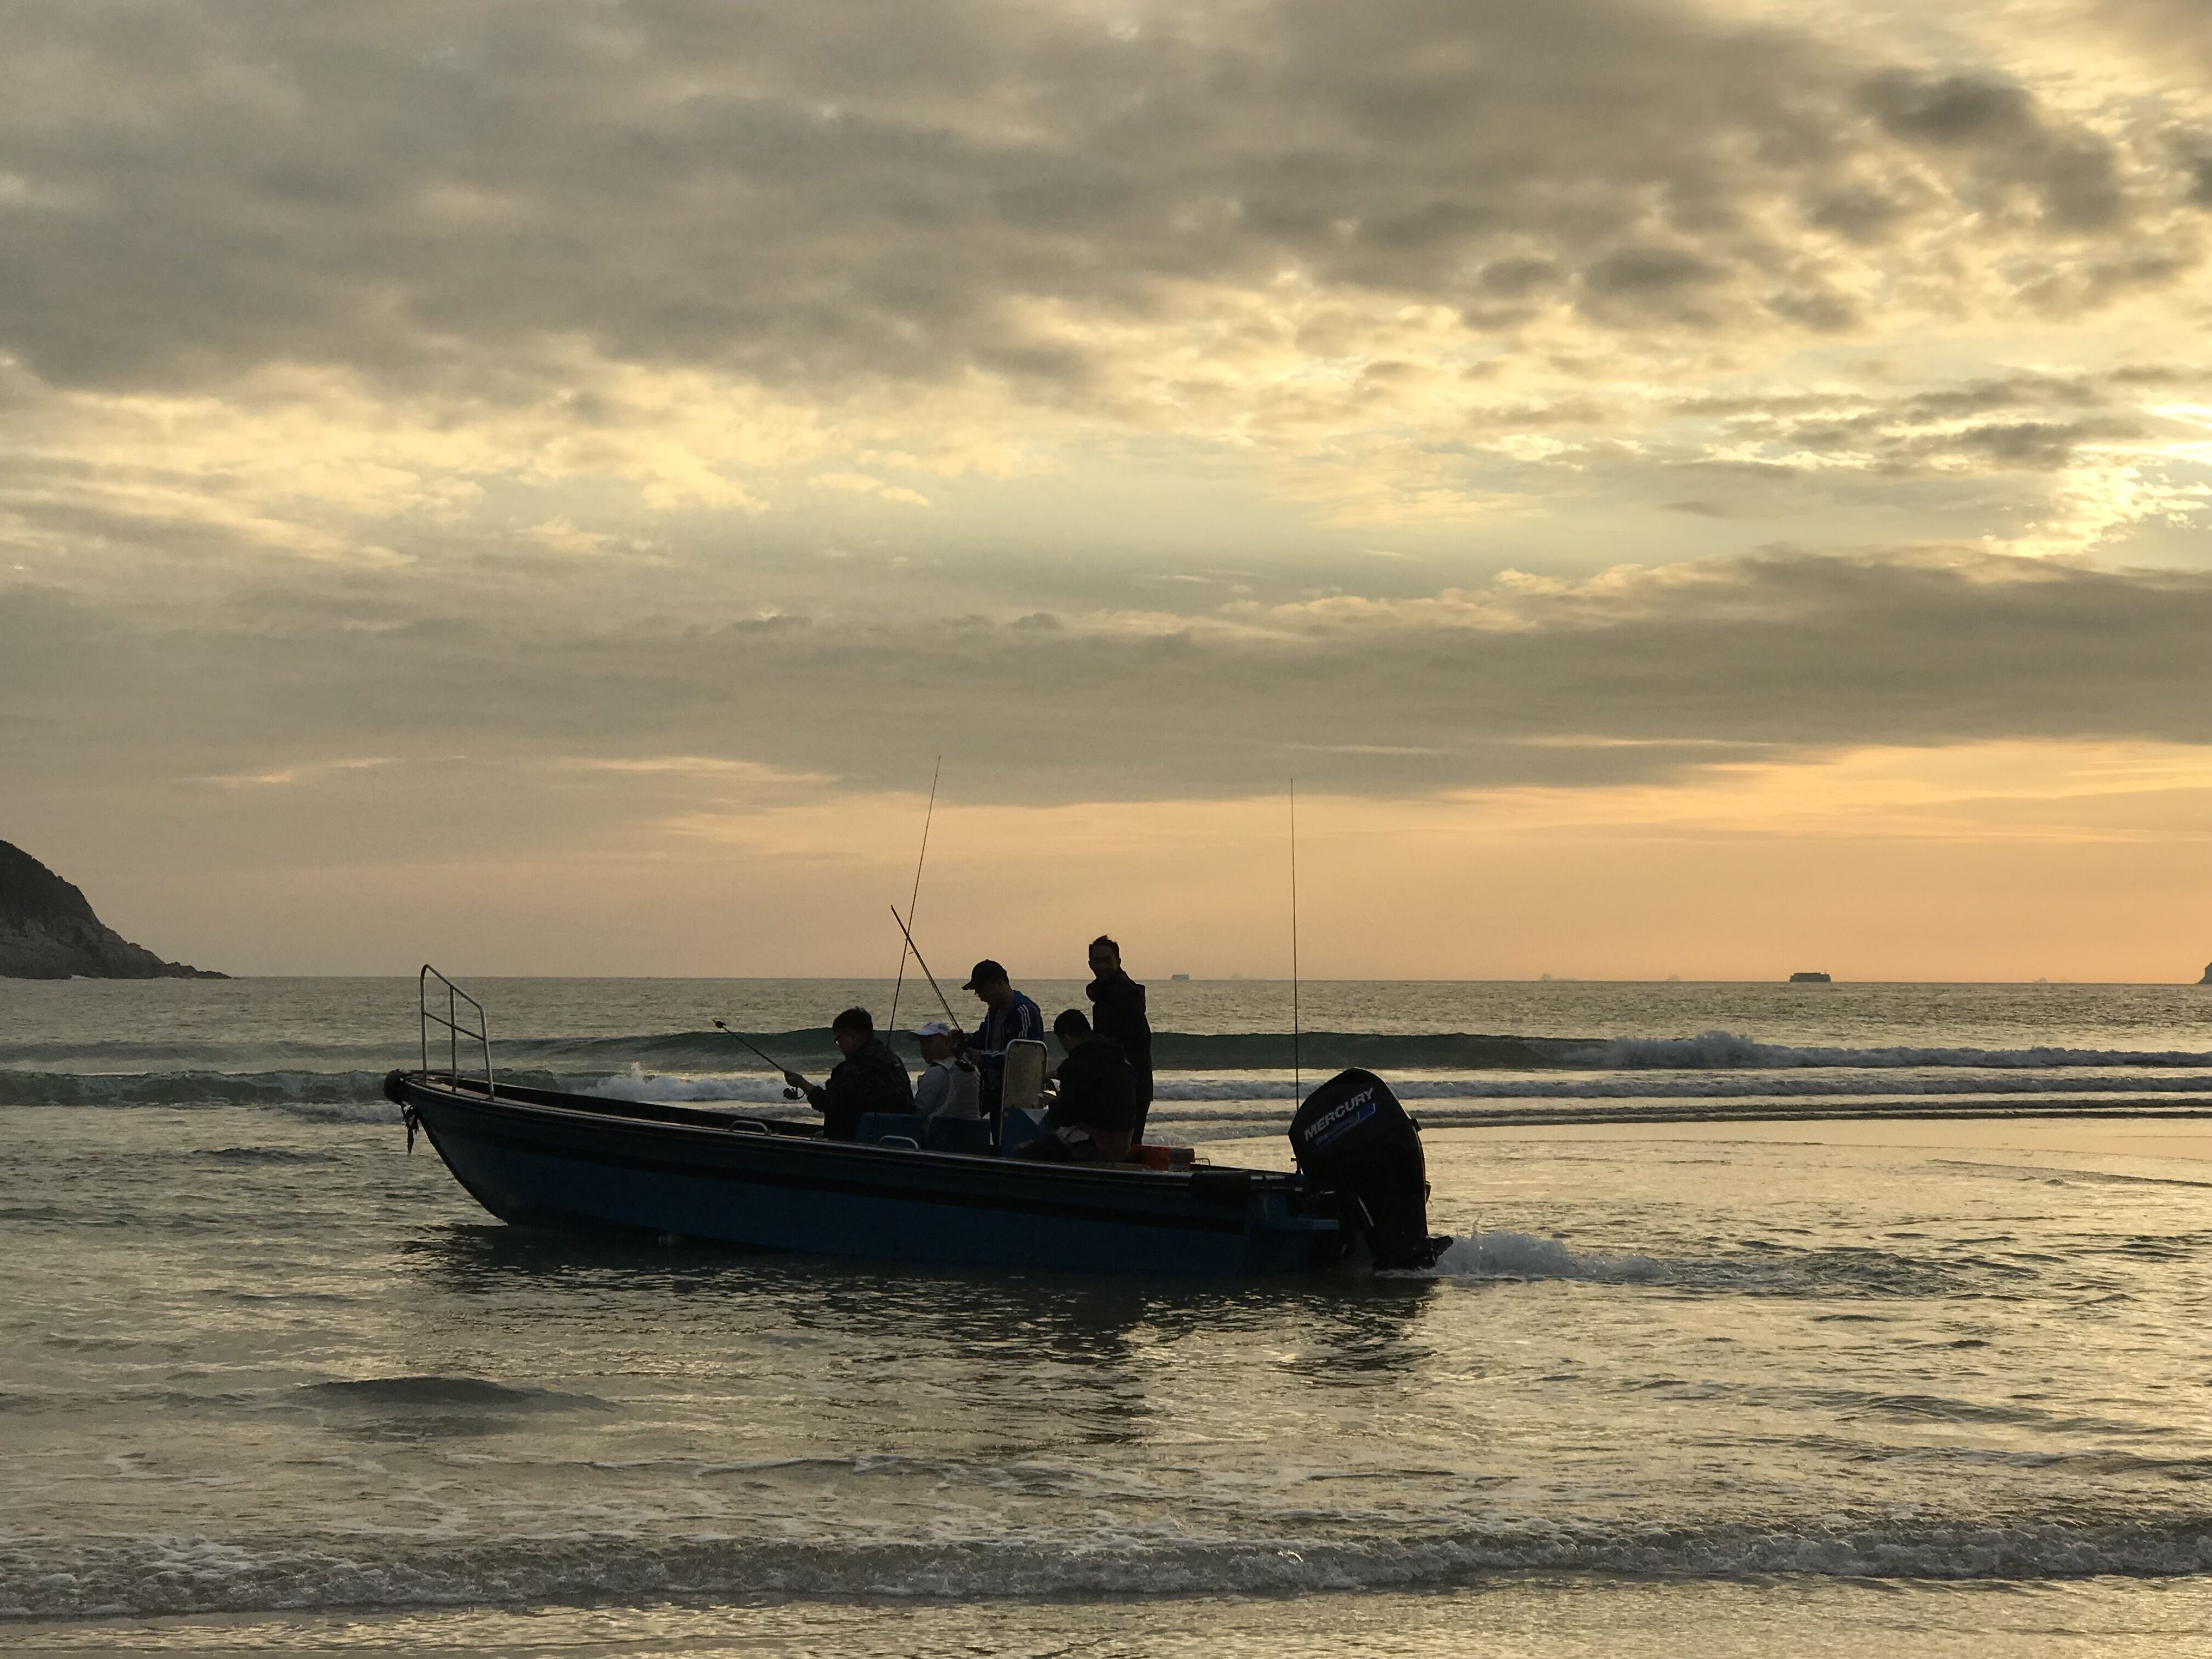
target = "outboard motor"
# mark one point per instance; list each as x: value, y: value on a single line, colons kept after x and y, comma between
x: 1353, y: 1139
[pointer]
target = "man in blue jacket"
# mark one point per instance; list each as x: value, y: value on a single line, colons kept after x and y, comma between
x: 1008, y: 1017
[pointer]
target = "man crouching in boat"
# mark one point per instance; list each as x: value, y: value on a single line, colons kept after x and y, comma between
x: 870, y: 1079
x: 1094, y: 1115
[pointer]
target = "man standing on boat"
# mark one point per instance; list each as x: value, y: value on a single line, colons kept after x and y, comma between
x: 1117, y: 1013
x: 1009, y: 1017
x: 870, y: 1079
x: 949, y: 1088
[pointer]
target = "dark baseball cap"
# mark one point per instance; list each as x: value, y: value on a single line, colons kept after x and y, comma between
x: 986, y: 972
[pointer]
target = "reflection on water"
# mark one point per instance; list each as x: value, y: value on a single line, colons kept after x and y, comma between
x: 967, y: 1330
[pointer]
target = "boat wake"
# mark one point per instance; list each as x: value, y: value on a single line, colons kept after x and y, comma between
x: 1510, y: 1255
x: 1848, y: 1273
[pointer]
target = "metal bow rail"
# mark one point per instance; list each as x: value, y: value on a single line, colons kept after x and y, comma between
x: 451, y: 1019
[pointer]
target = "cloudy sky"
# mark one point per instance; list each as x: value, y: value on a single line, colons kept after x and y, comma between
x: 1701, y: 489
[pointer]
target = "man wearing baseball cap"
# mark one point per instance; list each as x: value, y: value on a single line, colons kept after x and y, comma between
x: 950, y: 1087
x: 1008, y: 1017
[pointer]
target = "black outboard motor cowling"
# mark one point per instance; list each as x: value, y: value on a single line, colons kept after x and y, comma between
x: 1352, y: 1138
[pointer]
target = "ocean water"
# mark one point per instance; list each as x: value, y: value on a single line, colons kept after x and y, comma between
x: 1728, y: 1350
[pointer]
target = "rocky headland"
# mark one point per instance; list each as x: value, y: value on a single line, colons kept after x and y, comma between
x: 47, y: 931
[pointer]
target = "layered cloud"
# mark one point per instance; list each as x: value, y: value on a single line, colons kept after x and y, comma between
x: 718, y: 254
x: 838, y: 194
x: 1636, y: 675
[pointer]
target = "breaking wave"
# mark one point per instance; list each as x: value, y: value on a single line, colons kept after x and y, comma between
x: 1730, y: 1050
x: 1317, y: 1051
x: 646, y: 1087
x: 158, y: 1575
x: 689, y: 1051
x: 1192, y: 1070
x: 358, y: 1095
x: 693, y: 1053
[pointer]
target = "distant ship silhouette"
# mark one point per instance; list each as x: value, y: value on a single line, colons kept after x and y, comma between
x: 1814, y: 979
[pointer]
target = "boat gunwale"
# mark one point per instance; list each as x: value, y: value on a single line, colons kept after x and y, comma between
x: 471, y: 1092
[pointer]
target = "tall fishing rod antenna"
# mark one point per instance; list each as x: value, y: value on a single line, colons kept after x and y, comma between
x: 951, y: 1018
x: 1297, y: 1070
x: 929, y: 813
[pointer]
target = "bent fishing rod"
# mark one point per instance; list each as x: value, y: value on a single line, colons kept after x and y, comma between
x: 951, y: 1019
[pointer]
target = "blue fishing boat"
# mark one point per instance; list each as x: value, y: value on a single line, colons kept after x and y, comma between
x: 544, y: 1157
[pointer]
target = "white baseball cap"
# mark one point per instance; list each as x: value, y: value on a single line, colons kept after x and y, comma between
x: 935, y: 1027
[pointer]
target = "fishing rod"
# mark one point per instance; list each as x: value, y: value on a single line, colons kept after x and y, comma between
x: 951, y: 1019
x: 723, y: 1027
x: 1298, y: 1072
x: 913, y: 899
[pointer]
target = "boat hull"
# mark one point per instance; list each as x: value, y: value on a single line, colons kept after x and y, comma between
x: 536, y: 1158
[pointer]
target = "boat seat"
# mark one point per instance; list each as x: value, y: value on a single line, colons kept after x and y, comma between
x: 955, y: 1134
x: 879, y: 1126
x: 1017, y: 1128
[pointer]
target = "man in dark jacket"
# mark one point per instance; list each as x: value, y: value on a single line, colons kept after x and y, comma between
x: 870, y: 1079
x: 1117, y: 1010
x: 1093, y: 1115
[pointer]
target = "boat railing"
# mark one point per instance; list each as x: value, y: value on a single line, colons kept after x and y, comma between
x: 479, y: 1033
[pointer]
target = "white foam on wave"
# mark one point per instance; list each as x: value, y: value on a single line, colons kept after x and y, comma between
x: 1715, y: 1064
x: 638, y: 1084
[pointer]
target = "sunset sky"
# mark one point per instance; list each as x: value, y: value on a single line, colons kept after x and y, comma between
x: 1710, y: 491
